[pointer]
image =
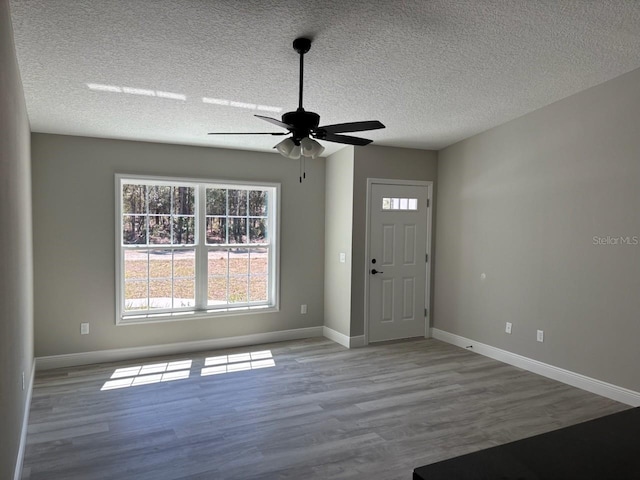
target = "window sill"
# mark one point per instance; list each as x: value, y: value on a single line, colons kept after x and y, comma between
x: 193, y: 315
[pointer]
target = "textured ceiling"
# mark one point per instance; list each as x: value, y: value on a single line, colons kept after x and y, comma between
x: 434, y: 72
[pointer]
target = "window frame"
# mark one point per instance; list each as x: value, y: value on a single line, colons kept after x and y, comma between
x: 201, y: 248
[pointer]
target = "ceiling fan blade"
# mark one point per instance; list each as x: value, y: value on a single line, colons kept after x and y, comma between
x: 352, y: 127
x: 248, y: 133
x: 332, y: 137
x: 275, y: 121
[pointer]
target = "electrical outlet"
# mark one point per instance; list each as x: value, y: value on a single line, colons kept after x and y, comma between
x: 540, y: 336
x: 343, y: 257
x: 303, y: 309
x: 84, y: 329
x: 507, y: 328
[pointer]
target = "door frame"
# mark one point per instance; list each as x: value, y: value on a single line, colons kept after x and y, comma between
x: 427, y: 298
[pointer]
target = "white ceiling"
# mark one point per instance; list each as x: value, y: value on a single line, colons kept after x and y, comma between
x: 434, y: 72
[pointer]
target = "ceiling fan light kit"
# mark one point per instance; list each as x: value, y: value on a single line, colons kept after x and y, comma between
x: 311, y: 148
x: 303, y: 125
x: 307, y: 148
x: 295, y: 152
x: 285, y: 147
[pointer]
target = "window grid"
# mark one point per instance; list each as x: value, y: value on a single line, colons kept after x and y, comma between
x: 200, y: 289
x: 239, y: 209
x: 249, y: 274
x: 173, y: 278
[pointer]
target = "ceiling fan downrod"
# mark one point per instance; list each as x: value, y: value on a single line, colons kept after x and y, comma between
x: 302, y: 46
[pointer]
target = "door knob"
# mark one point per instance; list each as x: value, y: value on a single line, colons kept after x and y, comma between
x: 374, y: 271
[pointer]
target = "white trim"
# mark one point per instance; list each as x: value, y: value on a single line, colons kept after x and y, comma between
x: 336, y: 336
x: 342, y: 339
x: 614, y: 392
x: 427, y: 299
x: 114, y: 355
x: 17, y: 472
x: 193, y: 315
x: 415, y: 183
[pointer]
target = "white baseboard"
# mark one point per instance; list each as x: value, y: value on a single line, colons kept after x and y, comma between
x: 17, y: 472
x: 118, y: 354
x: 336, y: 336
x: 342, y: 339
x: 614, y: 392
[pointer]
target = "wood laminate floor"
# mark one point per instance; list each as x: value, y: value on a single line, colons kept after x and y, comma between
x: 308, y: 409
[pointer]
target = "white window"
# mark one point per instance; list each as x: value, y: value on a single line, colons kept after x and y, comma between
x: 189, y: 247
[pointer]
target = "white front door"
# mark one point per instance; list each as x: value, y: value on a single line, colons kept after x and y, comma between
x: 397, y: 262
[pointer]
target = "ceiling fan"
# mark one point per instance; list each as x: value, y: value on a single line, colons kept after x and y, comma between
x: 303, y: 125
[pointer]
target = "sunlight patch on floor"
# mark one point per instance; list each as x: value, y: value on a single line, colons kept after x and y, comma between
x: 237, y: 362
x: 146, y: 374
x: 137, y: 375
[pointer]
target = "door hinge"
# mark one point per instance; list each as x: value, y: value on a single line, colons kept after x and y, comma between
x: 426, y: 257
x: 428, y: 202
x: 425, y: 313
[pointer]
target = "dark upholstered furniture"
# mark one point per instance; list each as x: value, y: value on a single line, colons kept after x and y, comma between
x: 606, y: 448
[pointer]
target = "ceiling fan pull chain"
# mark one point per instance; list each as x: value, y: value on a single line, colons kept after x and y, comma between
x: 300, y: 167
x: 304, y: 167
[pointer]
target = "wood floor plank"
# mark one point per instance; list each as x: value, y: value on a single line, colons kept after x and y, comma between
x: 320, y: 411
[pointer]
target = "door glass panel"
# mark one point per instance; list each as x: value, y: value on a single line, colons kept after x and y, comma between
x: 395, y: 203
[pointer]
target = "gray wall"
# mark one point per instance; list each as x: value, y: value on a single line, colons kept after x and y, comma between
x: 338, y: 239
x: 16, y: 261
x: 375, y: 161
x: 74, y: 232
x: 522, y: 203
